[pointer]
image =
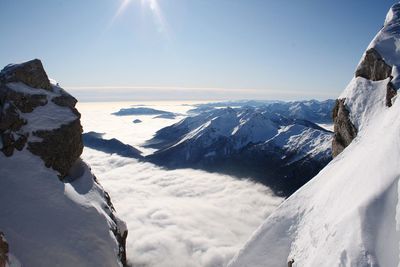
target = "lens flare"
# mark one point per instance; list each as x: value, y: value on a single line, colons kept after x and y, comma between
x: 155, y: 10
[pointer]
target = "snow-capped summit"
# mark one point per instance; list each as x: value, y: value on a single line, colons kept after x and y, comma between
x: 282, y: 152
x: 347, y: 215
x: 53, y: 212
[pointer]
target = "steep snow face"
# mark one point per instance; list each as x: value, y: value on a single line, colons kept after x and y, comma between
x: 48, y: 222
x: 347, y: 215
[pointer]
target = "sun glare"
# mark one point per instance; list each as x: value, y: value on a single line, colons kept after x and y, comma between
x: 151, y: 5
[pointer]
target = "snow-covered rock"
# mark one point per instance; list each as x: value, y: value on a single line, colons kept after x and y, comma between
x: 282, y: 152
x: 53, y: 211
x: 347, y: 215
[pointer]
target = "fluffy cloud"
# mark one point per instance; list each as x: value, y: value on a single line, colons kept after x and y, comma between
x: 181, y: 217
x: 178, y: 218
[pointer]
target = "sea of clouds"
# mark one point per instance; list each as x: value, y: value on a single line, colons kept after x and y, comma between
x: 175, y: 218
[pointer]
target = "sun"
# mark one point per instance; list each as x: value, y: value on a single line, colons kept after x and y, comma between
x: 151, y: 5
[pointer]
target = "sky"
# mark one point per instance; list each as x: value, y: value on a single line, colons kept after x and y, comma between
x: 112, y: 50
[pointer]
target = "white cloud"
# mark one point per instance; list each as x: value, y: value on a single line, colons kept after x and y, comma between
x: 181, y: 217
x: 178, y: 218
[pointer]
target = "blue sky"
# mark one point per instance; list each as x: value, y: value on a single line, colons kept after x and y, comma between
x: 192, y: 49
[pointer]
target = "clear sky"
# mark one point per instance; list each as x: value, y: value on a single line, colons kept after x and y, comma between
x: 192, y: 49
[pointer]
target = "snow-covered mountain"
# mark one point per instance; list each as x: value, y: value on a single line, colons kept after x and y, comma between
x: 53, y: 212
x: 282, y: 152
x: 347, y: 215
x: 312, y: 110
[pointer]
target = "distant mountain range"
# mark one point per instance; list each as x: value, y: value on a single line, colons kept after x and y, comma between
x: 96, y: 141
x: 276, y: 143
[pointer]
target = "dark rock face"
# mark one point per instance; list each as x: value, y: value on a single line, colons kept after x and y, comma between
x: 120, y: 235
x: 60, y: 148
x: 58, y: 145
x: 390, y: 93
x: 30, y: 73
x: 3, y: 251
x: 344, y: 130
x: 373, y: 67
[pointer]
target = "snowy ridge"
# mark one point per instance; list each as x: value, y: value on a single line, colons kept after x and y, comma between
x: 280, y: 152
x: 347, y: 215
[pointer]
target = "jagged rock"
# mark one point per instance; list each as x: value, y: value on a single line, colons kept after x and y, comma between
x: 60, y: 148
x: 31, y: 73
x: 3, y: 251
x: 27, y: 121
x: 373, y: 67
x: 390, y: 93
x: 23, y: 102
x: 66, y: 100
x: 344, y: 130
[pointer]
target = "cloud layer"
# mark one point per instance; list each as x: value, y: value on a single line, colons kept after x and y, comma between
x: 181, y: 218
x: 178, y: 218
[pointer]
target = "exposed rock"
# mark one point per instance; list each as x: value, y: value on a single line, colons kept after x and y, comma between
x: 3, y: 251
x: 31, y: 73
x: 120, y: 232
x: 60, y: 148
x: 10, y: 125
x: 390, y: 93
x: 373, y: 67
x: 66, y: 100
x: 24, y: 102
x: 51, y: 132
x: 344, y: 129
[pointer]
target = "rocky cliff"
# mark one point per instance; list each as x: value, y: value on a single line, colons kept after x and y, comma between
x: 59, y: 202
x: 372, y: 68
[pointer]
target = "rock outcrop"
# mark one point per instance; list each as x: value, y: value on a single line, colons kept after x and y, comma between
x: 3, y: 251
x: 59, y: 147
x: 30, y: 73
x: 39, y: 119
x: 344, y: 129
x: 374, y: 68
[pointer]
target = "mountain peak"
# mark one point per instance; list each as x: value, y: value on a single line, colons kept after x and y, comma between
x: 40, y: 141
x: 30, y: 73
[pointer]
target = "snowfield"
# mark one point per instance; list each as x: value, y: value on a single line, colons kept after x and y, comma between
x: 349, y: 214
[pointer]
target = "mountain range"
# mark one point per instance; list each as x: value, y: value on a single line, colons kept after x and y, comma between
x: 276, y: 143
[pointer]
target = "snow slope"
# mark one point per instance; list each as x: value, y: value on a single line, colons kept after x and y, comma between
x: 349, y: 214
x: 50, y: 223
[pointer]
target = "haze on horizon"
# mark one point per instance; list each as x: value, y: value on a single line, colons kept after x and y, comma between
x: 112, y: 50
